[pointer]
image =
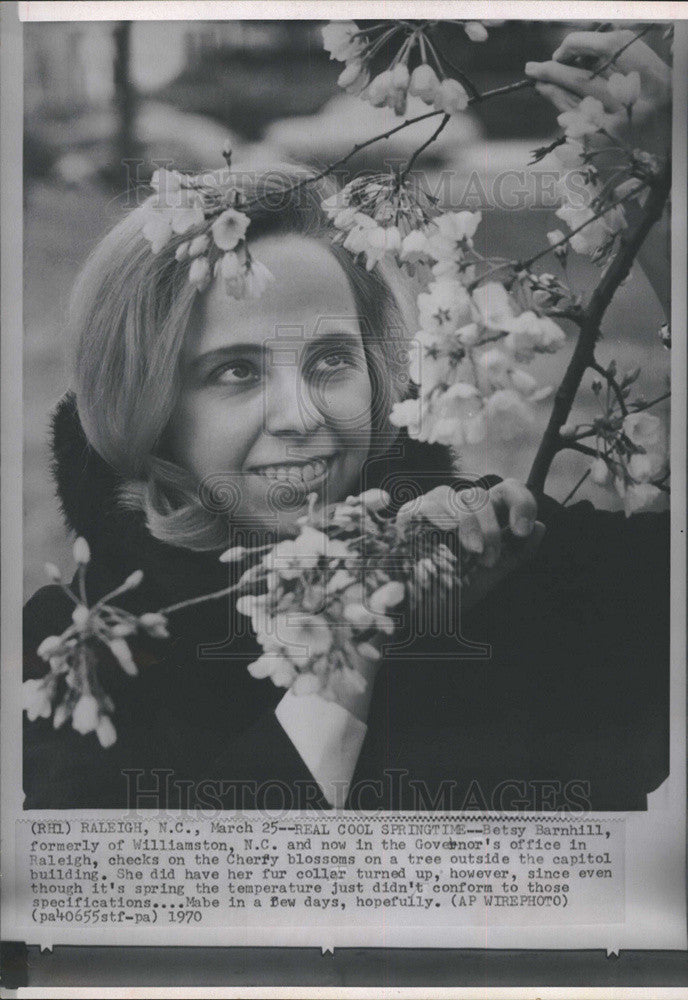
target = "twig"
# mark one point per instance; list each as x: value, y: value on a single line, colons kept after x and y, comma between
x: 575, y: 489
x: 653, y: 402
x: 407, y: 169
x: 583, y: 354
x: 612, y: 383
x: 612, y: 60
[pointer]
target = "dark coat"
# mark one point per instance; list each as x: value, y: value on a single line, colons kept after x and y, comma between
x: 555, y: 694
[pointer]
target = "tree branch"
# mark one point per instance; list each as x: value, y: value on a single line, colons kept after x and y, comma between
x: 583, y: 354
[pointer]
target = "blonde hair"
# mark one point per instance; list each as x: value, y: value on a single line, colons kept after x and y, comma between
x: 129, y: 313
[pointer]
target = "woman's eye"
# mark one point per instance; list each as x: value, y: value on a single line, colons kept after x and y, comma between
x: 237, y: 373
x: 332, y: 362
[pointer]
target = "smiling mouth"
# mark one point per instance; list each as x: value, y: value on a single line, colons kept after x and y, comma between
x: 309, y: 474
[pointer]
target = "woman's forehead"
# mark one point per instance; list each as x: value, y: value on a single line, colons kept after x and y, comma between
x: 309, y: 297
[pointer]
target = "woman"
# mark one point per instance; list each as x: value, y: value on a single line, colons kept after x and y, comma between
x: 186, y: 410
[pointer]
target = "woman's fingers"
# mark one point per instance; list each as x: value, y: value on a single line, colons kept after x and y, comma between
x: 513, y: 500
x: 577, y: 81
x: 486, y: 517
x: 477, y: 521
x: 592, y: 43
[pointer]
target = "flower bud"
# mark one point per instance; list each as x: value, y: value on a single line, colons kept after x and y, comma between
x: 199, y: 245
x: 476, y: 31
x: 49, y: 647
x: 80, y: 615
x: 106, y: 732
x: 388, y: 596
x: 234, y: 554
x: 120, y: 650
x: 599, y: 472
x: 82, y: 552
x: 424, y: 83
x: 133, y: 580
x: 451, y: 97
x: 367, y: 650
x: 53, y: 573
x: 400, y: 76
x: 85, y: 714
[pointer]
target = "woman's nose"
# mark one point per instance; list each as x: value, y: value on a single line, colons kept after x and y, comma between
x: 289, y: 407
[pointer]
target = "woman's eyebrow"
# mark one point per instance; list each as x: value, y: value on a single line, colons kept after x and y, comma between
x: 341, y: 336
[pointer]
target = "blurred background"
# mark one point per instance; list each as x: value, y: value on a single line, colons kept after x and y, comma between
x: 104, y: 100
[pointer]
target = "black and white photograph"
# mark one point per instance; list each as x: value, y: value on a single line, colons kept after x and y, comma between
x: 348, y: 384
x: 310, y: 410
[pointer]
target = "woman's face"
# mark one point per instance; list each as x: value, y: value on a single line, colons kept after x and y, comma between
x: 276, y: 397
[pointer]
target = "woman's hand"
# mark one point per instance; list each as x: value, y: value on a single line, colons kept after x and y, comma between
x: 564, y: 82
x: 477, y: 515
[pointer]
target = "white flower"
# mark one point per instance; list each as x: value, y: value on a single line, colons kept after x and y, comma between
x: 182, y: 251
x: 380, y: 89
x: 354, y: 78
x: 585, y: 119
x: 81, y: 552
x: 444, y: 307
x: 600, y: 472
x: 85, y: 715
x: 407, y: 414
x: 476, y: 30
x: 49, y: 647
x: 106, y: 732
x: 188, y: 213
x: 340, y: 41
x: 166, y: 181
x: 627, y: 187
x: 530, y: 333
x: 53, y: 573
x: 495, y: 366
x: 430, y: 367
x: 199, y: 273
x: 229, y: 228
x: 36, y: 696
x: 233, y: 273
x: 414, y: 246
x: 356, y: 240
x: 304, y: 636
x: 374, y: 499
x: 508, y: 416
x: 554, y: 237
x: 400, y: 76
x: 336, y: 202
x: 642, y: 497
x: 387, y: 596
x: 626, y: 89
x: 157, y: 229
x: 198, y: 245
x: 645, y: 430
x: 155, y: 624
x: 468, y: 335
x: 379, y: 242
x: 258, y: 278
x: 493, y: 305
x: 424, y: 83
x: 455, y: 231
x: 523, y: 382
x: 451, y: 97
